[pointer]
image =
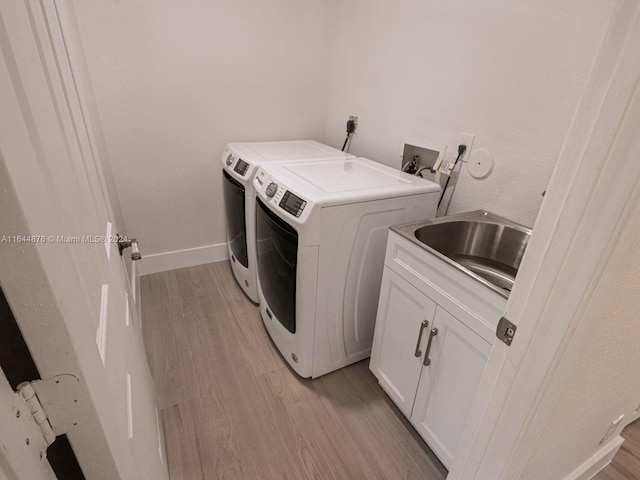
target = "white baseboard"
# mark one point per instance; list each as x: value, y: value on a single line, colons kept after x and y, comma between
x: 161, y: 262
x: 597, y: 461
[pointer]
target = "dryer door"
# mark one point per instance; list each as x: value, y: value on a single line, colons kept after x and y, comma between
x: 277, y: 245
x: 236, y: 231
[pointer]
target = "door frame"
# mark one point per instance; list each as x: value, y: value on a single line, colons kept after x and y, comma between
x: 588, y: 222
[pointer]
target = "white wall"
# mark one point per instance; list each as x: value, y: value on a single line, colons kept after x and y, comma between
x: 509, y: 72
x: 176, y: 81
x: 605, y: 384
x: 87, y: 97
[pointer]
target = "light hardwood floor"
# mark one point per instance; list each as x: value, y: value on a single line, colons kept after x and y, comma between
x: 626, y: 463
x: 233, y: 409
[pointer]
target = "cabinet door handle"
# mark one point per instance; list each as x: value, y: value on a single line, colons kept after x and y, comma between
x: 427, y: 360
x: 423, y: 325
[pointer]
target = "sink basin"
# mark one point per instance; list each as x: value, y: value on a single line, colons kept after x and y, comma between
x: 486, y: 247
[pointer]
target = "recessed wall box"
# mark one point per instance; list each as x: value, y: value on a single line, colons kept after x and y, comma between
x: 421, y: 155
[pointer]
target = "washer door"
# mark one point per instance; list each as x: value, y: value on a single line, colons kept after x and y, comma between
x: 277, y: 245
x: 236, y: 231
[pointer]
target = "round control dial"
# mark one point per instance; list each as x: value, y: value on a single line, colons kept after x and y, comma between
x: 272, y: 188
x: 230, y: 159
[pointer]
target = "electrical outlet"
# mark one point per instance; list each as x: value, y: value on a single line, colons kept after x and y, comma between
x: 355, y: 122
x: 465, y: 139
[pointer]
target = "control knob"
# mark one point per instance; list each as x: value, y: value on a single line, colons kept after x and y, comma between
x: 272, y: 188
x: 230, y: 159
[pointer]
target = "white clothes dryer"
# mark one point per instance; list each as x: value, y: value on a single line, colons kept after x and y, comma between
x: 321, y: 235
x: 240, y: 161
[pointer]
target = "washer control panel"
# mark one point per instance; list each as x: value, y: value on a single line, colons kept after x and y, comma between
x: 292, y: 203
x: 280, y: 198
x: 271, y: 190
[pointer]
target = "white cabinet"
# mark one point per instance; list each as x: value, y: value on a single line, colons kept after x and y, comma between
x: 448, y: 385
x: 433, y: 334
x: 401, y: 311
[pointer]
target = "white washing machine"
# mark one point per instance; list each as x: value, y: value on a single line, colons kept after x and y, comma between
x: 239, y: 164
x: 321, y: 234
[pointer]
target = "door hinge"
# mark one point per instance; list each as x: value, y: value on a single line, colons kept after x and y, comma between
x: 506, y: 331
x: 57, y: 404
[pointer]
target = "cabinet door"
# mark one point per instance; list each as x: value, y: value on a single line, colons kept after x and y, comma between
x: 401, y: 311
x: 448, y: 385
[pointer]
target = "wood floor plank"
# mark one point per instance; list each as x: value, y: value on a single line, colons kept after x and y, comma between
x: 253, y: 429
x: 355, y: 407
x: 301, y: 446
x: 256, y: 429
x: 183, y: 460
x: 159, y: 288
x: 346, y: 457
x: 254, y: 339
x: 401, y: 444
x: 201, y: 442
x: 222, y: 454
x: 626, y: 464
x: 233, y: 409
x: 162, y: 344
x: 194, y: 281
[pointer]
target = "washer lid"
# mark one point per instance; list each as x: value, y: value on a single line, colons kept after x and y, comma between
x: 346, y: 176
x: 264, y: 152
x: 342, y: 181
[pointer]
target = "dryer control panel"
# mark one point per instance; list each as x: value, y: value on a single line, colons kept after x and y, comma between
x: 241, y: 167
x: 237, y: 167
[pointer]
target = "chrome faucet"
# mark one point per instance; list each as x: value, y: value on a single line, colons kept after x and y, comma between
x: 411, y: 166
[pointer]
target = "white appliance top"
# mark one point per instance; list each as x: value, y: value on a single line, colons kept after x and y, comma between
x: 342, y: 181
x: 346, y: 176
x: 263, y: 152
x: 241, y: 160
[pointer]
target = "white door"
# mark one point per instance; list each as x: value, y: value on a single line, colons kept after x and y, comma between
x: 17, y: 459
x: 404, y: 319
x: 448, y: 384
x: 61, y: 274
x: 69, y: 42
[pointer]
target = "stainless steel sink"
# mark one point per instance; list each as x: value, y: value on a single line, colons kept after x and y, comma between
x: 486, y: 247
